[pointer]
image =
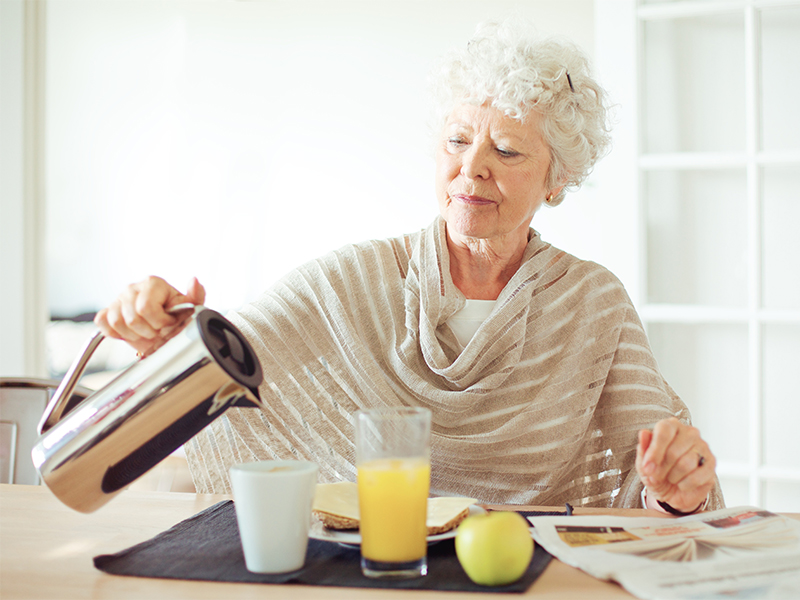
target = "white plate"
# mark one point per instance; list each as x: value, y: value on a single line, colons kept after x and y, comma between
x: 353, y: 538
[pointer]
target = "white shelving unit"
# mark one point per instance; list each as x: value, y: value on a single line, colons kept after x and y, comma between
x: 718, y: 172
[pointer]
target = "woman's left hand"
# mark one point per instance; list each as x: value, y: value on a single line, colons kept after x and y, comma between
x: 676, y: 465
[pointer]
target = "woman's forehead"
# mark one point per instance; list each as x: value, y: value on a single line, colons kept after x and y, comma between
x: 470, y: 118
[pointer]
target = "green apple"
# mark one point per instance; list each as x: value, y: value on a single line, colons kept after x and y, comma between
x: 494, y: 548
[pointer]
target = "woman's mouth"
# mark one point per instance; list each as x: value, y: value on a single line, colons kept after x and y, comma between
x: 472, y: 200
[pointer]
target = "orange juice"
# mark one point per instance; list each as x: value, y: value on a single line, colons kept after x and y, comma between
x: 393, y: 502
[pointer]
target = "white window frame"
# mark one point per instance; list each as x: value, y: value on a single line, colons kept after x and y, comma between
x: 23, y: 307
x: 619, y: 38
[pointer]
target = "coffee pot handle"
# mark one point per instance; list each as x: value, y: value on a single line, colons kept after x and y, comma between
x: 58, y: 403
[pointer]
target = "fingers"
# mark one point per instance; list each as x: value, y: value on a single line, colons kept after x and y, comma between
x: 109, y: 321
x: 142, y: 308
x: 138, y: 315
x: 101, y: 320
x: 669, y: 463
x: 697, y: 476
x: 671, y: 441
x: 196, y: 293
x: 688, y: 464
x: 688, y: 494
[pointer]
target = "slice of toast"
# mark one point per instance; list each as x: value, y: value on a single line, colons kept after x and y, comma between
x: 448, y: 525
x: 336, y: 506
x: 332, y: 521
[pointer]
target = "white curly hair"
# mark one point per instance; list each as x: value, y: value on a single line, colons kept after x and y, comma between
x: 505, y: 66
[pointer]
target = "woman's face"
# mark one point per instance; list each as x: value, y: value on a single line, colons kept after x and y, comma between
x: 490, y: 172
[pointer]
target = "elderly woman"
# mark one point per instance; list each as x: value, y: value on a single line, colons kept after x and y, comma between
x: 534, y: 363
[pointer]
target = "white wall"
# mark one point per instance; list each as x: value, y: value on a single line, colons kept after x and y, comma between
x: 234, y: 140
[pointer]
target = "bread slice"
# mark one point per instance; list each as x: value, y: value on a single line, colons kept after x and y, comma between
x: 448, y: 525
x: 336, y: 506
x: 332, y: 521
x: 446, y: 513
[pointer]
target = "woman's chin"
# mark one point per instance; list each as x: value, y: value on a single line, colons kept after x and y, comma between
x: 468, y: 226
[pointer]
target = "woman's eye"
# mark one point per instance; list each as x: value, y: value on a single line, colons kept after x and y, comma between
x: 456, y: 142
x: 507, y: 152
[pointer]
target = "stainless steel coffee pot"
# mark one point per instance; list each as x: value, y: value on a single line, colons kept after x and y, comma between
x: 91, y: 450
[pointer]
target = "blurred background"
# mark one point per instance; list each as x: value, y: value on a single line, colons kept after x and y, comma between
x: 235, y: 139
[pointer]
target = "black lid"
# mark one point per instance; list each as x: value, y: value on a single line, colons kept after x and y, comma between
x: 230, y: 349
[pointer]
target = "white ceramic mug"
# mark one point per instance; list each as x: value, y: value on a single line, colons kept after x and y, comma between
x: 273, y: 509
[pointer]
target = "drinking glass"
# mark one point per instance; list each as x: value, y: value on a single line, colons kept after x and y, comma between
x: 394, y: 472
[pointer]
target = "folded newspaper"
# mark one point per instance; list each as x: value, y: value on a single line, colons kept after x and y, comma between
x: 741, y: 552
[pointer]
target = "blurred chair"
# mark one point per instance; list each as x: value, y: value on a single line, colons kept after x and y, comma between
x: 22, y: 403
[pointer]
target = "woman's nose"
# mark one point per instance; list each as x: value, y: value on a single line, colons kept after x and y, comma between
x: 475, y: 163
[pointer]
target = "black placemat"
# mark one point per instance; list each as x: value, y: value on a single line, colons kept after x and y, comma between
x: 207, y: 547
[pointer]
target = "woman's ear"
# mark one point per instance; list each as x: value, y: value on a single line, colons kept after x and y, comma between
x: 552, y: 196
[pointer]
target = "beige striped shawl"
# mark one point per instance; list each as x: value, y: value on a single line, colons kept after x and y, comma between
x: 542, y: 406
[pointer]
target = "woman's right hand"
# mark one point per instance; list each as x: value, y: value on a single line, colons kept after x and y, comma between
x: 139, y: 316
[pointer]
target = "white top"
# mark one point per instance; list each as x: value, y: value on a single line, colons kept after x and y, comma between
x: 465, y: 322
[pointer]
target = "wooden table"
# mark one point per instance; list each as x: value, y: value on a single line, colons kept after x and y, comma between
x: 46, y: 551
